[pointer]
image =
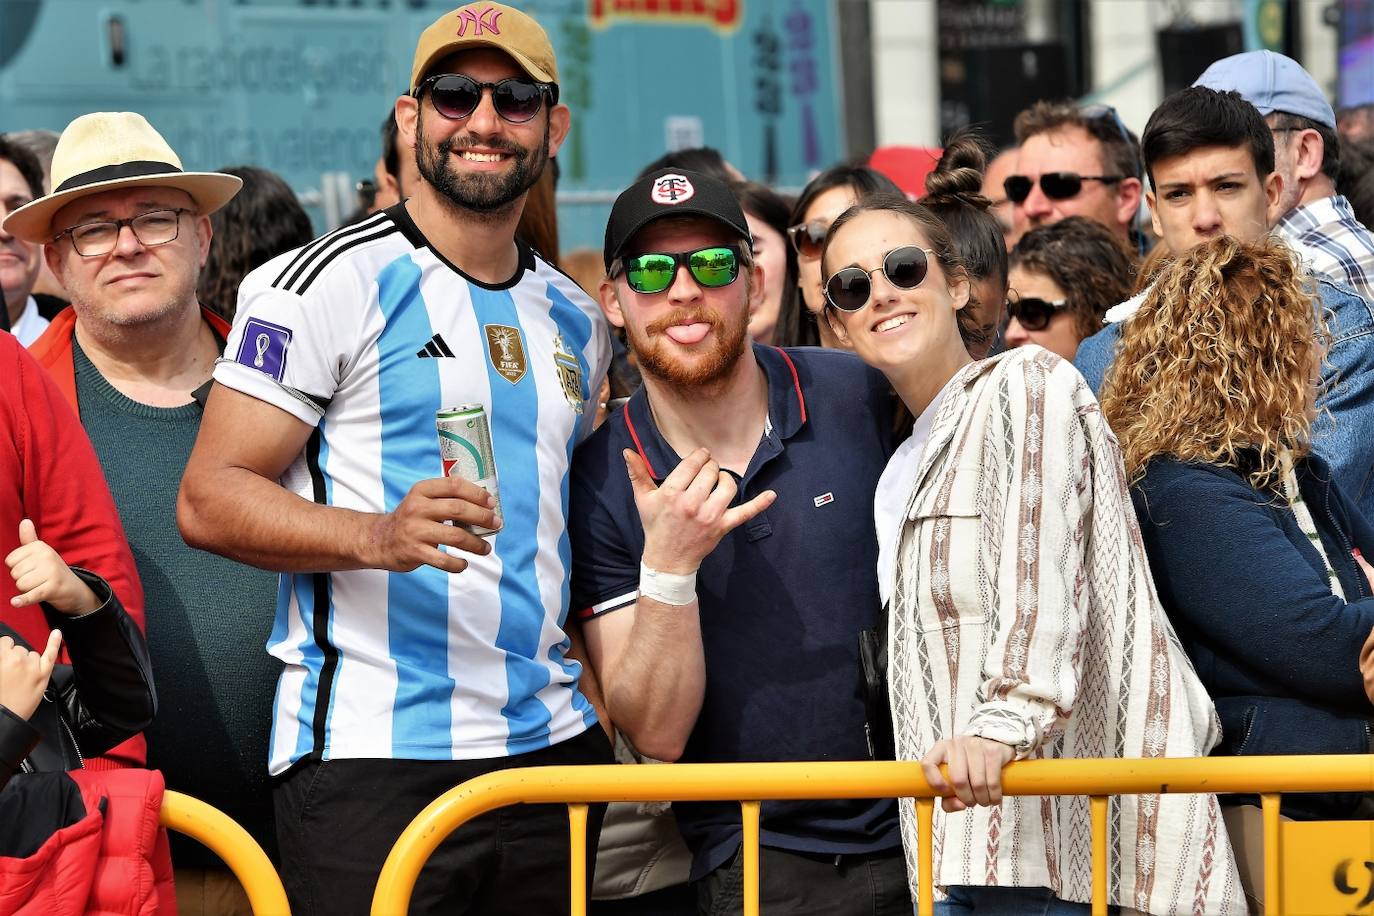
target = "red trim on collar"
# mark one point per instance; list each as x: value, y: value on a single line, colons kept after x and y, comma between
x: 630, y: 425
x: 795, y: 381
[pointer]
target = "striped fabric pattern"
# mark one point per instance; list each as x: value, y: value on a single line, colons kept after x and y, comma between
x: 1024, y: 612
x: 1333, y: 242
x: 424, y: 664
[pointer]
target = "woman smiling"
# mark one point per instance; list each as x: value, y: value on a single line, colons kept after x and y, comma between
x: 1022, y: 622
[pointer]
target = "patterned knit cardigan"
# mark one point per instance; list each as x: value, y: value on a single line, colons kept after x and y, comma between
x: 1023, y: 611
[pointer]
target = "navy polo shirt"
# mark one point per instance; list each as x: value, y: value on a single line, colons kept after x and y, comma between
x: 782, y: 598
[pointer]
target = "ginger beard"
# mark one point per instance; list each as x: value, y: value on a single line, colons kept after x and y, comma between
x: 659, y: 354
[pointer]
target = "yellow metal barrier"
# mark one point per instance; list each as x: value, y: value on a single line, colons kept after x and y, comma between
x: 758, y: 782
x: 226, y: 839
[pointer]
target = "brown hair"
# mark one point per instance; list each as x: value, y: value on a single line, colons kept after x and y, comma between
x: 1120, y: 148
x: 1219, y: 363
x: 1089, y: 262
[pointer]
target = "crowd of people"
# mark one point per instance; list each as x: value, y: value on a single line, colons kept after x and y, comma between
x: 811, y: 478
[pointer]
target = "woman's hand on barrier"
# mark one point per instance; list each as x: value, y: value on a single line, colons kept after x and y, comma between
x: 1367, y: 665
x: 975, y: 771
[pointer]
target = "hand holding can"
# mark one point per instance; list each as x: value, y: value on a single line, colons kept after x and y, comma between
x: 465, y: 449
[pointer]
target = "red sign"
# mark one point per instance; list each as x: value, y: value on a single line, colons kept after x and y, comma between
x: 719, y: 14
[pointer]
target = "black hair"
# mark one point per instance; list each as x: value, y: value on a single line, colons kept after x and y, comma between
x: 262, y: 221
x: 1198, y: 117
x: 704, y: 159
x: 796, y: 325
x: 762, y: 202
x: 391, y: 152
x: 1331, y: 142
x: 954, y: 193
x: 26, y: 162
x: 1357, y: 180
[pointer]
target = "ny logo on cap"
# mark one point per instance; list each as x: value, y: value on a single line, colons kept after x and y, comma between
x: 672, y: 189
x: 481, y: 21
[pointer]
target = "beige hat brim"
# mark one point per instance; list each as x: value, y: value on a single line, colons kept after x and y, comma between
x: 210, y: 190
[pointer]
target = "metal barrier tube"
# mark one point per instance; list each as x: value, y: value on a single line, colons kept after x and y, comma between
x: 1273, y: 889
x: 925, y: 852
x: 228, y: 840
x: 770, y: 781
x: 577, y: 857
x: 749, y: 817
x: 1098, y: 804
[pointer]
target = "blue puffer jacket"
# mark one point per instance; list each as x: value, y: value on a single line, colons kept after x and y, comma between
x: 1250, y: 599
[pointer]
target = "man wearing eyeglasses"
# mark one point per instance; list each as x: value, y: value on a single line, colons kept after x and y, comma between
x: 418, y: 654
x: 723, y: 551
x: 126, y: 231
x: 1074, y: 162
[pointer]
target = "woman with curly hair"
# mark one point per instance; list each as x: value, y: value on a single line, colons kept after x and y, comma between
x: 1065, y: 276
x: 1022, y: 623
x: 1256, y: 552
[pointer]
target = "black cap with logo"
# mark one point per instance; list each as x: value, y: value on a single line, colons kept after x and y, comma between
x: 670, y: 192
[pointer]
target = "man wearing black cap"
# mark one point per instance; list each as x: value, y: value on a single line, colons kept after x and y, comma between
x: 724, y: 554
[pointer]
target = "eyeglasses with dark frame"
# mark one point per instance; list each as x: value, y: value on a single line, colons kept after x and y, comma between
x: 807, y: 238
x: 517, y: 99
x: 1034, y: 313
x: 100, y: 237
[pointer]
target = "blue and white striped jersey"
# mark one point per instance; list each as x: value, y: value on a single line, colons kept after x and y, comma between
x: 364, y: 334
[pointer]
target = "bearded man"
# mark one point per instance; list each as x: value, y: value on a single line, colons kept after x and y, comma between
x: 724, y: 553
x: 418, y: 654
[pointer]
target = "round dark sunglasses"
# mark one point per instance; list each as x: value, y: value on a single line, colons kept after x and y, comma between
x: 1034, y: 314
x: 850, y: 288
x: 653, y: 272
x: 516, y: 99
x: 807, y: 238
x: 1056, y: 185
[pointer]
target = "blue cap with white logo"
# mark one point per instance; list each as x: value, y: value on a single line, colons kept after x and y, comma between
x: 1270, y: 82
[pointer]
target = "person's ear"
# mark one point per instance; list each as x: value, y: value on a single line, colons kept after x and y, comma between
x: 836, y: 325
x: 960, y: 290
x: 609, y: 300
x: 53, y: 258
x: 755, y: 278
x: 1150, y: 201
x: 1128, y: 201
x: 560, y: 119
x: 205, y: 231
x: 407, y: 116
x: 1308, y: 157
x: 1273, y: 190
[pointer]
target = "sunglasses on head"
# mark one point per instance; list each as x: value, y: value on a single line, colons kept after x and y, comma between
x: 517, y: 99
x: 850, y: 288
x: 655, y: 271
x: 1055, y: 185
x: 1034, y: 314
x: 807, y: 238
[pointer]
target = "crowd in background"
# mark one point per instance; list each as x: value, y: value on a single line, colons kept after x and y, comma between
x: 934, y: 543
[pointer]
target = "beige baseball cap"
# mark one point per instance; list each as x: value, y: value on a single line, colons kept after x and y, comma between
x: 108, y: 150
x: 492, y: 25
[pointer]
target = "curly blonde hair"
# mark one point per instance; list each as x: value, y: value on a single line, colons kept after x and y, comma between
x: 1221, y: 360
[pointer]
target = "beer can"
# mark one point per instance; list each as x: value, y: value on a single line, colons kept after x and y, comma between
x: 466, y: 452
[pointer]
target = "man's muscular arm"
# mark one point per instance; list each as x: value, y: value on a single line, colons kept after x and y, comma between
x: 649, y: 655
x: 230, y: 503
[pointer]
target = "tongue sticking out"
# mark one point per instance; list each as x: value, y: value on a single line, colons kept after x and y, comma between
x: 688, y: 333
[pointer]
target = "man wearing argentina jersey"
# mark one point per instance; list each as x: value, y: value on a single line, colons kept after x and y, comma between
x: 724, y: 557
x: 417, y: 654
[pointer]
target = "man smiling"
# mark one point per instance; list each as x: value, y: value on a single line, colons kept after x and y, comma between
x: 418, y: 654
x: 724, y: 624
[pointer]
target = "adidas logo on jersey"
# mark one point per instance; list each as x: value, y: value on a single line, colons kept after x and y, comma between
x: 436, y: 347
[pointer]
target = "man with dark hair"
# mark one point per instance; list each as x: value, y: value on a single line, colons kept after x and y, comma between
x: 21, y: 181
x: 1074, y: 162
x: 423, y: 633
x: 1210, y: 158
x: 707, y: 649
x: 1315, y: 220
x: 395, y: 173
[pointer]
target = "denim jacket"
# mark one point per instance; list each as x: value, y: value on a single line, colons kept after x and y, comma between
x: 1249, y: 597
x: 1343, y: 432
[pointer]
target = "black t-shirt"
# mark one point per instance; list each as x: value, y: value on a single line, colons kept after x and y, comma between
x: 782, y: 598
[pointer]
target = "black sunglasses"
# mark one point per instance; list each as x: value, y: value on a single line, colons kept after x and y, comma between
x: 807, y: 238
x: 1056, y: 185
x: 850, y: 288
x: 516, y: 99
x: 1034, y: 314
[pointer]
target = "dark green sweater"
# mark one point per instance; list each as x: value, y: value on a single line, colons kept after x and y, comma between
x: 208, y: 618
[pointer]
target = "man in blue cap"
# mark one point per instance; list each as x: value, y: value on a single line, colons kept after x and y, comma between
x: 1310, y: 216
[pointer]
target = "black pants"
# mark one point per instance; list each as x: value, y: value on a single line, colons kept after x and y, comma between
x: 337, y: 821
x: 803, y: 884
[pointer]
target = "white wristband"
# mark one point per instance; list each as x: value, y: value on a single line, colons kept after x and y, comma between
x: 667, y: 588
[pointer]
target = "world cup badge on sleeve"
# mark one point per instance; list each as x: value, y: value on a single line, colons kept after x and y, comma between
x: 569, y: 373
x: 263, y: 347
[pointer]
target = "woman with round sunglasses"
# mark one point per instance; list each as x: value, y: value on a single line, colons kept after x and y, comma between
x: 825, y: 197
x: 1064, y: 277
x: 1022, y: 620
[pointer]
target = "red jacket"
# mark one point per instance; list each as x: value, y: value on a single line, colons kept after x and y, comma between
x: 113, y: 860
x: 49, y: 473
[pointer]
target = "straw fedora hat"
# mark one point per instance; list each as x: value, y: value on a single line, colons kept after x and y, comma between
x: 114, y: 149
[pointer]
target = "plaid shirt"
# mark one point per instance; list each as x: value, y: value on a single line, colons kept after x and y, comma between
x: 1333, y: 242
